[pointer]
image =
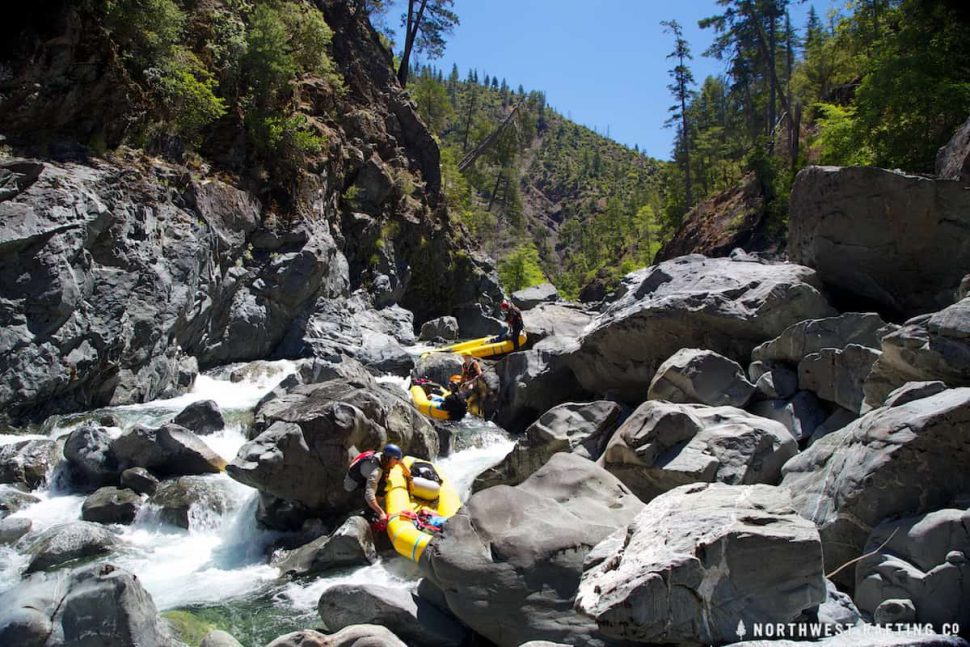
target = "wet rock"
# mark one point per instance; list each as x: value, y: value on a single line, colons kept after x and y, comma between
x: 13, y: 529
x: 838, y: 375
x: 444, y: 327
x: 510, y: 560
x: 13, y: 500
x: 664, y: 445
x: 66, y: 542
x: 91, y: 461
x: 408, y: 616
x: 897, y: 461
x: 26, y: 462
x: 712, y: 540
x: 111, y: 505
x: 139, y: 480
x: 913, y: 391
x: 582, y: 428
x: 902, y: 250
x: 100, y: 602
x: 203, y: 417
x: 722, y: 305
x: 219, y: 638
x: 530, y: 297
x: 926, y: 562
x: 352, y: 544
x: 703, y: 377
x: 814, y: 335
x: 438, y: 367
x: 170, y: 450
x: 191, y: 501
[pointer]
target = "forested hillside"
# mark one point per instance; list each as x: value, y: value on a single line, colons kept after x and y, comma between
x: 544, y: 194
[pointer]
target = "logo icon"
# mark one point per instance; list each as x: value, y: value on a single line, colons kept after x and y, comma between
x: 741, y: 630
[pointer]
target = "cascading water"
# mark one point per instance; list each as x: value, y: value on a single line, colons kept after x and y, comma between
x: 218, y: 569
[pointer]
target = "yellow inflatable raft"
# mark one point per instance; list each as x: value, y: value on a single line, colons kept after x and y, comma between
x: 427, y: 406
x: 402, y: 502
x: 483, y: 347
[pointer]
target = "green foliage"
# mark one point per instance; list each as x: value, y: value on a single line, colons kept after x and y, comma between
x: 189, y: 628
x: 146, y: 30
x: 521, y: 269
x: 838, y: 138
x: 291, y: 134
x: 187, y: 92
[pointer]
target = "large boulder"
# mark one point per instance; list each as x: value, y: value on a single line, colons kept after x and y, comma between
x: 475, y: 320
x: 111, y: 505
x: 352, y: 544
x: 26, y: 462
x: 408, y: 616
x: 190, y: 502
x: 530, y: 297
x: 67, y: 542
x: 170, y: 450
x: 723, y: 305
x: 140, y: 480
x: 927, y: 348
x: 691, y: 566
x: 90, y: 460
x: 923, y: 559
x: 583, y: 428
x: 438, y: 367
x: 892, y: 240
x: 11, y: 530
x: 838, y: 375
x: 510, y: 560
x: 98, y: 604
x: 366, y: 635
x: 802, y: 414
x: 953, y: 159
x: 664, y: 445
x: 813, y: 336
x: 12, y: 500
x: 443, y: 327
x: 894, y: 461
x: 203, y: 417
x: 555, y: 320
x: 703, y: 377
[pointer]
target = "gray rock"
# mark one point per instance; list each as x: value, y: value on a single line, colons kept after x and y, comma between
x: 703, y: 377
x: 438, y: 367
x: 219, y: 638
x: 904, y: 248
x: 366, y: 635
x: 953, y: 159
x: 66, y: 542
x: 90, y: 459
x: 352, y: 544
x: 555, y: 320
x: 902, y: 460
x: 169, y: 450
x: 837, y: 420
x: 100, y: 603
x: 838, y: 375
x: 929, y: 348
x: 582, y: 428
x: 913, y: 391
x: 444, y: 327
x: 773, y: 380
x: 203, y: 417
x: 26, y: 462
x: 664, y: 445
x: 801, y: 414
x: 475, y: 321
x: 510, y: 560
x: 926, y: 562
x: 530, y: 297
x: 712, y: 540
x: 13, y: 500
x: 139, y: 480
x: 12, y: 530
x: 188, y: 501
x: 408, y: 616
x: 725, y: 306
x: 812, y: 336
x: 111, y: 505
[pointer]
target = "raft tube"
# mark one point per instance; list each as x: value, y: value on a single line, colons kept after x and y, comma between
x: 428, y: 407
x: 483, y: 347
x: 403, y: 533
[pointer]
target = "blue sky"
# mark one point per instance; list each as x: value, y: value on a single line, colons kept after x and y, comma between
x: 602, y: 63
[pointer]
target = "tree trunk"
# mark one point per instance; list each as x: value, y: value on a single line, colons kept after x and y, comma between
x: 411, y: 34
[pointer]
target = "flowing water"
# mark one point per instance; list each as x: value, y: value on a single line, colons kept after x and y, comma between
x: 217, y: 572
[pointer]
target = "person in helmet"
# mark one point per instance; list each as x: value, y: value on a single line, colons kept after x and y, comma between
x: 471, y: 372
x: 513, y: 318
x: 373, y: 470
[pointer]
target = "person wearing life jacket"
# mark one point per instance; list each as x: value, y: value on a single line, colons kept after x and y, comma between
x: 513, y: 318
x: 471, y: 372
x: 371, y: 469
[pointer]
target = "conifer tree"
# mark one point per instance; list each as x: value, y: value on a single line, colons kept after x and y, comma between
x: 425, y: 24
x: 683, y: 78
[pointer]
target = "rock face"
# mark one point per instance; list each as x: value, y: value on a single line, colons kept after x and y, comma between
x: 413, y: 619
x: 896, y: 241
x: 444, y: 327
x: 838, y: 375
x: 712, y: 541
x: 66, y: 542
x: 530, y: 297
x: 26, y: 462
x: 352, y: 544
x: 202, y: 417
x: 928, y: 348
x: 815, y: 335
x: 722, y: 305
x: 169, y: 450
x: 953, y: 160
x: 555, y: 319
x: 801, y: 414
x: 926, y: 561
x: 99, y: 603
x: 902, y: 460
x: 582, y: 428
x: 702, y: 377
x: 310, y: 434
x: 510, y: 560
x: 663, y: 445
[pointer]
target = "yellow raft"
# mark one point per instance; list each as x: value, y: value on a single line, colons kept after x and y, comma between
x: 483, y: 347
x: 428, y: 407
x: 439, y: 499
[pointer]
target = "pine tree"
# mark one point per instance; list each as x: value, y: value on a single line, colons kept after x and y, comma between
x: 426, y: 24
x: 683, y: 78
